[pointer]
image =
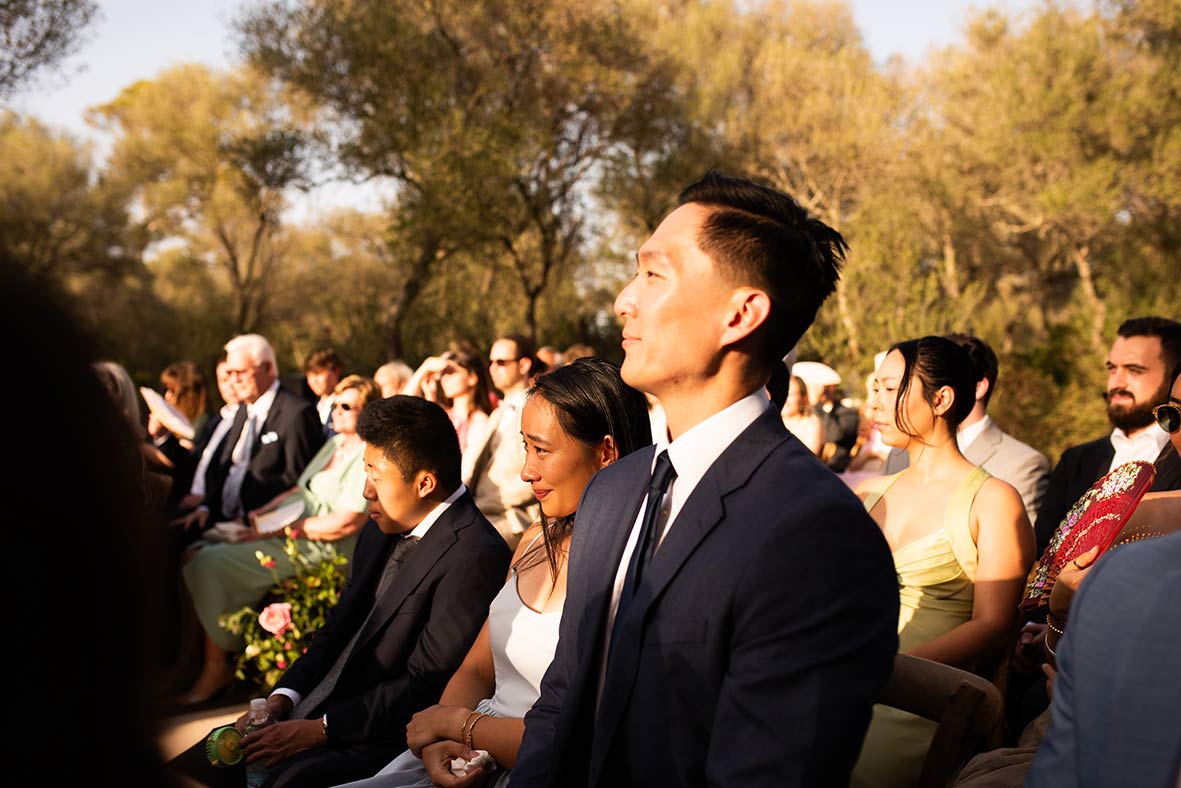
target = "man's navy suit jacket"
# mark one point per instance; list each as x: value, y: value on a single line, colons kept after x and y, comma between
x: 421, y: 629
x: 754, y: 648
x: 286, y: 441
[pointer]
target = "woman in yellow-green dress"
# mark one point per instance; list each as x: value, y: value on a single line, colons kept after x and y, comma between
x: 961, y: 540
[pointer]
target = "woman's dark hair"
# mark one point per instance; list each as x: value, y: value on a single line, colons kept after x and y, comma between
x: 591, y: 401
x: 936, y: 362
x: 481, y: 398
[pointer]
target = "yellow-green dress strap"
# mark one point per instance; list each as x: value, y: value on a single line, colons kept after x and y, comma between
x: 958, y: 520
x: 876, y: 487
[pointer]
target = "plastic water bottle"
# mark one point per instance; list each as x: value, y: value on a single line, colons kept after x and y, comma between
x: 258, y: 717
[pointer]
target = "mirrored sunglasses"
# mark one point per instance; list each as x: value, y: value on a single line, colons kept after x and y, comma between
x: 1168, y: 417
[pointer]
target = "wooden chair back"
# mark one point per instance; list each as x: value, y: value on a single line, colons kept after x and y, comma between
x: 967, y: 708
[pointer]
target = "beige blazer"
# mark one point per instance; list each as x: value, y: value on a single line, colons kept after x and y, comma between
x: 492, y: 473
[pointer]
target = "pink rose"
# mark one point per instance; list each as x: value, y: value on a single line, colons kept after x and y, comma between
x: 275, y: 618
x: 281, y: 664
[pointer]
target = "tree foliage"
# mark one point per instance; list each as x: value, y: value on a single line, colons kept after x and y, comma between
x: 36, y: 35
x: 1023, y: 185
x: 207, y: 159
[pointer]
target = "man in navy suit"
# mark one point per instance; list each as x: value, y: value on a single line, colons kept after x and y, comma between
x: 737, y: 630
x: 423, y: 573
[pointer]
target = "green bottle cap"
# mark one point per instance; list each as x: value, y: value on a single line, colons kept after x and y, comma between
x: 223, y: 746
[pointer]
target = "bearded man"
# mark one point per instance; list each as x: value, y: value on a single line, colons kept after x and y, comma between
x: 1140, y: 370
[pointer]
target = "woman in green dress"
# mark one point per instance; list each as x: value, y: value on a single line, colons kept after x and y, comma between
x: 961, y: 540
x: 223, y: 577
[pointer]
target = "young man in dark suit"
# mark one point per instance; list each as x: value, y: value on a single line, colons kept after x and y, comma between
x: 1145, y: 351
x: 424, y: 571
x: 736, y: 628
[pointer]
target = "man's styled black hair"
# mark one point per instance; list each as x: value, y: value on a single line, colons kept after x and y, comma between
x: 414, y: 434
x: 762, y: 237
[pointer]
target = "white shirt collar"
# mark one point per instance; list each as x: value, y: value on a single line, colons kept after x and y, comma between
x: 433, y: 515
x: 259, y: 409
x: 698, y: 448
x: 968, y: 435
x: 1146, y: 446
x: 324, y: 407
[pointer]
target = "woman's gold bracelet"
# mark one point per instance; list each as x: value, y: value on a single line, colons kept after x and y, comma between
x: 463, y: 729
x: 471, y: 729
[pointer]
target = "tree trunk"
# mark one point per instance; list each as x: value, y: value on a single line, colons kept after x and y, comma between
x: 951, y: 276
x: 847, y: 321
x: 531, y: 296
x: 428, y: 253
x: 1081, y: 256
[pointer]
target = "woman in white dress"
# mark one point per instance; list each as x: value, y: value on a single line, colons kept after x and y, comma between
x: 577, y: 419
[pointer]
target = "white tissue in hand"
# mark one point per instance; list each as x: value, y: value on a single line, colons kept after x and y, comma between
x: 460, y: 767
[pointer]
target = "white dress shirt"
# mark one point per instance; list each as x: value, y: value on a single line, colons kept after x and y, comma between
x: 692, y: 454
x: 324, y: 408
x: 227, y: 414
x: 1146, y: 446
x: 966, y: 435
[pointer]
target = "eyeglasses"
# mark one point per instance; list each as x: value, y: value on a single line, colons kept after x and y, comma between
x: 1168, y: 417
x: 451, y: 370
x: 503, y: 362
x: 240, y: 373
x: 346, y: 407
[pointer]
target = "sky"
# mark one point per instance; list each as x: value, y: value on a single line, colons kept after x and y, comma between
x: 136, y: 39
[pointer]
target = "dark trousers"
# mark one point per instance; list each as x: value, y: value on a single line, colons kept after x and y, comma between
x: 314, y: 768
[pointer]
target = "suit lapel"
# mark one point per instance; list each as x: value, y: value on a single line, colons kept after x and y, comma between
x: 1100, y: 460
x: 419, y: 563
x: 602, y: 543
x: 226, y: 450
x: 274, y: 413
x: 985, y: 446
x: 701, y: 513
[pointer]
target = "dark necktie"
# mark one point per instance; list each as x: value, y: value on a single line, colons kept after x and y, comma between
x: 328, y: 683
x: 662, y: 476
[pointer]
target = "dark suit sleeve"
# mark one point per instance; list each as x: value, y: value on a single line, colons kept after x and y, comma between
x: 808, y: 656
x: 458, y: 608
x: 1055, y: 504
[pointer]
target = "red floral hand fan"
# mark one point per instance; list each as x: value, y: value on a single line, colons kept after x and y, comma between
x: 1095, y: 519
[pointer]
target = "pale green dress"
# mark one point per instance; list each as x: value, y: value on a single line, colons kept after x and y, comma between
x: 936, y: 576
x: 224, y: 577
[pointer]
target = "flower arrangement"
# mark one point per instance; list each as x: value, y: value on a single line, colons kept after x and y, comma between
x: 298, y: 606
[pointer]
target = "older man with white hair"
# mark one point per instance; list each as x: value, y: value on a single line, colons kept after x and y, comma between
x: 274, y: 435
